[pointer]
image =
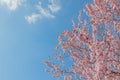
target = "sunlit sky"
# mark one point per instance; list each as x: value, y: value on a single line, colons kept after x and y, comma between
x: 29, y: 32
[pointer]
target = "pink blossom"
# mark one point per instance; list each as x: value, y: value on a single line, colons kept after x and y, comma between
x: 91, y: 58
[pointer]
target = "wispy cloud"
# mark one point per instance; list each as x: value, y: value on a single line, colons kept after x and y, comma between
x: 44, y: 12
x: 52, y: 8
x: 11, y: 4
x: 33, y: 18
x: 54, y: 5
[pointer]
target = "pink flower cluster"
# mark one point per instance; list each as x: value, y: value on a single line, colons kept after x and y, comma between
x: 92, y: 59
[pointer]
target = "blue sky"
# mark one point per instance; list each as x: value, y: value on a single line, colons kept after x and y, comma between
x: 29, y: 32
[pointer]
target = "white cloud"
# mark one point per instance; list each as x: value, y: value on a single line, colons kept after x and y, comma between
x: 11, y: 4
x: 33, y: 18
x: 52, y: 8
x: 44, y: 12
x: 54, y: 5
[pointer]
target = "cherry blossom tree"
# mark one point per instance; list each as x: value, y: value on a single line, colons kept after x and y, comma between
x: 91, y: 51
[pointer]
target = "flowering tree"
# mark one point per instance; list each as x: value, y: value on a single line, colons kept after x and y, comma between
x: 93, y: 54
